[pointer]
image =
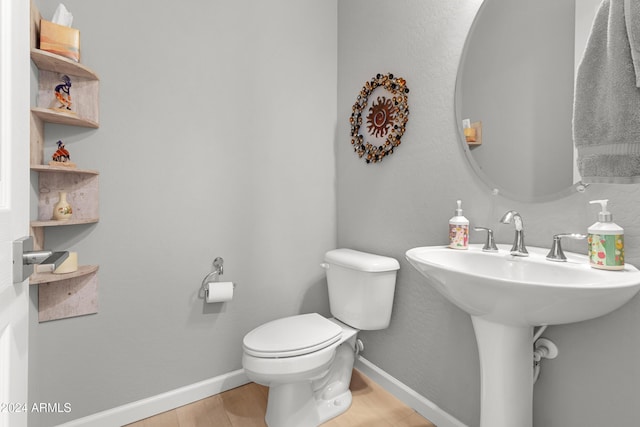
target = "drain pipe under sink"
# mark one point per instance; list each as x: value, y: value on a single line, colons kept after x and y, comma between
x: 543, y: 348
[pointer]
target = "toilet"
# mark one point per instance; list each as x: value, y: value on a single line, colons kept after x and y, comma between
x: 307, y: 360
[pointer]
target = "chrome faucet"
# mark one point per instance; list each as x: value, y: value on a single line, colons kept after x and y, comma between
x: 518, y: 248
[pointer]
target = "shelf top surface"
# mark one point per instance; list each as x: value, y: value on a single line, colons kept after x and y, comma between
x: 59, y: 64
x: 83, y: 270
x: 58, y: 223
x: 61, y: 169
x: 53, y: 116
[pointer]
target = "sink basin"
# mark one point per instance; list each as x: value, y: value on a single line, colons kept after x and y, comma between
x: 524, y: 290
x: 506, y: 297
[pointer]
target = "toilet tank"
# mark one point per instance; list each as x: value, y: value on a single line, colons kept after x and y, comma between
x: 361, y: 287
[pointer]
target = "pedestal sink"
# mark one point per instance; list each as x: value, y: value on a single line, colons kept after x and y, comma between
x: 506, y: 297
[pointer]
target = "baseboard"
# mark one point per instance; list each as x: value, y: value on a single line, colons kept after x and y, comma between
x: 408, y: 396
x: 153, y: 405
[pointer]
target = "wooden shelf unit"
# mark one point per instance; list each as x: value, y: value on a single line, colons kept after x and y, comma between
x: 72, y: 294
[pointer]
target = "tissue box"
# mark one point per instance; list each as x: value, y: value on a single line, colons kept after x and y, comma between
x: 61, y: 40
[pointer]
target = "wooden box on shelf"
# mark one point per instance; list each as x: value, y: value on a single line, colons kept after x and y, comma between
x: 59, y: 39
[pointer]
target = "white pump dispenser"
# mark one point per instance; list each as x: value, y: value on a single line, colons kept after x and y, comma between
x: 459, y: 230
x: 606, y: 241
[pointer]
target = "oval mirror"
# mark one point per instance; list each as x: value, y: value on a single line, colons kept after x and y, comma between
x: 515, y: 93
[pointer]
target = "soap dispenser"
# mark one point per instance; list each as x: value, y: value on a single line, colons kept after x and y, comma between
x: 606, y: 241
x: 459, y: 230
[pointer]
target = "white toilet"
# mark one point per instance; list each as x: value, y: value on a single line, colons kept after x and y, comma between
x: 307, y: 360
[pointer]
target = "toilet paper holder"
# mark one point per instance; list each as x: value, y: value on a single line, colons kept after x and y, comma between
x: 217, y: 270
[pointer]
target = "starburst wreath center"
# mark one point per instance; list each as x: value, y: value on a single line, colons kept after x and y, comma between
x: 386, y: 117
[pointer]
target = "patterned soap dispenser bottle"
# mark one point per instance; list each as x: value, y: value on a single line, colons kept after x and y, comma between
x: 606, y: 241
x: 459, y: 230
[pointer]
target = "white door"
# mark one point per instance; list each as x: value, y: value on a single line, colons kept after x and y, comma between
x: 14, y: 207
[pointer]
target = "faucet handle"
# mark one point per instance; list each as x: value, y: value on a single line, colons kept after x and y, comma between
x: 556, y: 253
x: 490, y: 244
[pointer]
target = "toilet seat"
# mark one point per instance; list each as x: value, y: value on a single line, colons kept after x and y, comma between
x: 292, y: 336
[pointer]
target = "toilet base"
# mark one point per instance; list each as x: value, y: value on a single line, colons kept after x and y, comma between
x: 311, y: 403
x: 328, y: 409
x: 293, y: 405
x: 306, y: 398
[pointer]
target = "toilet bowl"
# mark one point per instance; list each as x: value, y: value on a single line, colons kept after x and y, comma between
x: 307, y: 360
x: 308, y: 378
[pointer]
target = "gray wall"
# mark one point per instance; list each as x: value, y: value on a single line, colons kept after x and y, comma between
x: 252, y: 176
x: 407, y: 200
x: 216, y: 139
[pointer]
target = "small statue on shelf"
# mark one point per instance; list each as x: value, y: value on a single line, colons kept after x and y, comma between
x: 63, y: 94
x: 62, y: 157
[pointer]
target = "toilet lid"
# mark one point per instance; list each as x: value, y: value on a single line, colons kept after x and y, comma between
x: 292, y: 336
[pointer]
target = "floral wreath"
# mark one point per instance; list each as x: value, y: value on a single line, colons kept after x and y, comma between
x: 386, y: 117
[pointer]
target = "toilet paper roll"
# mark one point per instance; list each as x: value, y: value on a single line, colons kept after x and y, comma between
x: 219, y: 291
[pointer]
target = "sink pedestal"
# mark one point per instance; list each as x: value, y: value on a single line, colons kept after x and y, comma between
x: 506, y: 373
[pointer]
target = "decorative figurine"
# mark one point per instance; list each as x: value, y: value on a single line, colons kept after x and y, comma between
x: 63, y: 94
x: 62, y: 157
